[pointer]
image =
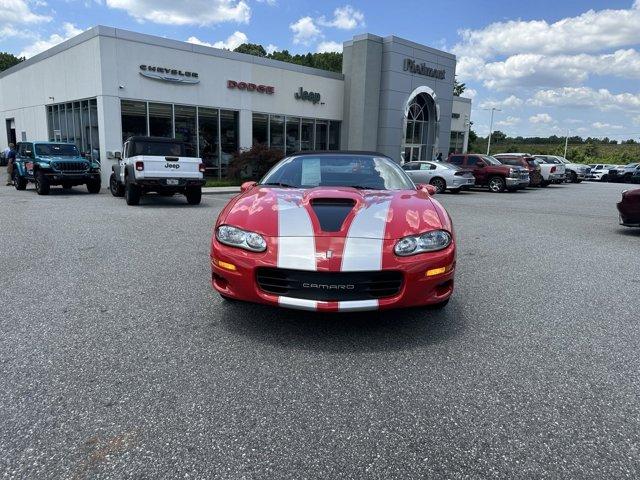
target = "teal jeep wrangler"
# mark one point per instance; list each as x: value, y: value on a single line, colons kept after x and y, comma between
x: 53, y: 163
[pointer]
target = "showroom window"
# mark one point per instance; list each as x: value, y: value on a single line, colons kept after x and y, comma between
x: 209, y: 133
x: 75, y: 122
x: 301, y: 134
x: 160, y: 120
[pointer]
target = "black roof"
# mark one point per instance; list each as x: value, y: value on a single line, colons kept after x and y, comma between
x: 153, y: 139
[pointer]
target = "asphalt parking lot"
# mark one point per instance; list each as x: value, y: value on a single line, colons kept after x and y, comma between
x: 118, y: 361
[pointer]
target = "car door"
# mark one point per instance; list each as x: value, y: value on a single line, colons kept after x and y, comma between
x: 477, y: 166
x: 25, y: 156
x: 122, y: 162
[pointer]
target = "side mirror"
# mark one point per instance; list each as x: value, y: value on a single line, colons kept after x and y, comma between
x: 117, y: 155
x: 247, y: 186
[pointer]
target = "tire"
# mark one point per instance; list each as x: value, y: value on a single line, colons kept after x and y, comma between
x: 131, y: 193
x: 42, y: 184
x: 194, y: 195
x: 67, y: 186
x: 544, y: 183
x: 573, y: 177
x: 455, y: 190
x: 439, y: 183
x: 18, y: 181
x: 116, y: 189
x: 496, y: 184
x: 93, y: 186
x: 604, y: 178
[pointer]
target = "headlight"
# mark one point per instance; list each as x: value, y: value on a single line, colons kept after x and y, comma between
x: 513, y: 173
x: 236, y: 237
x: 427, y: 242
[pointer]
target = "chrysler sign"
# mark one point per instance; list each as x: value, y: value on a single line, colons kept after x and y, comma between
x: 422, y: 69
x: 170, y: 75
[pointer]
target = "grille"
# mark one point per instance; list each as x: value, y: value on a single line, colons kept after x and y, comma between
x: 329, y: 286
x: 70, y: 166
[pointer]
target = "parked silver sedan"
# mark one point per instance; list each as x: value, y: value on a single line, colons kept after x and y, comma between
x: 442, y: 175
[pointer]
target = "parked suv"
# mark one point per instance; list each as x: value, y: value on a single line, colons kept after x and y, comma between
x: 600, y: 172
x: 526, y: 161
x: 489, y: 172
x: 154, y: 164
x: 53, y: 163
x: 623, y: 173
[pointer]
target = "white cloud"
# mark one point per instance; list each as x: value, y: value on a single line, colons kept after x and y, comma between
x: 18, y: 12
x: 601, y: 126
x: 185, y: 12
x: 345, y: 18
x: 541, y: 118
x: 636, y: 120
x: 40, y: 45
x: 510, y: 102
x: 233, y: 41
x: 469, y: 93
x: 601, y: 99
x: 589, y: 32
x: 329, y: 46
x: 508, y: 122
x: 305, y: 31
x: 271, y: 48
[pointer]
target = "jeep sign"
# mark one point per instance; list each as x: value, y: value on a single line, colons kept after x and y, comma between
x: 308, y: 96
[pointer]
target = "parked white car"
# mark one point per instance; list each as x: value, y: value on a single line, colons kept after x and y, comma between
x: 600, y: 172
x: 442, y: 175
x: 152, y: 164
x: 575, y: 172
x: 551, y: 169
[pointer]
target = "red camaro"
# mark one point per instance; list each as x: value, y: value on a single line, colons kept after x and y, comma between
x: 629, y: 208
x: 334, y: 232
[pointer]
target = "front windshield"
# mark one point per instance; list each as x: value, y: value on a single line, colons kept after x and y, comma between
x: 56, y: 150
x: 491, y: 160
x: 339, y: 170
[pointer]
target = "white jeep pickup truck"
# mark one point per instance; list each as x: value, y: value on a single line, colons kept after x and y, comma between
x: 552, y: 170
x: 154, y: 164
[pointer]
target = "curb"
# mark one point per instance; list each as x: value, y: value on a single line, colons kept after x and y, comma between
x: 220, y: 191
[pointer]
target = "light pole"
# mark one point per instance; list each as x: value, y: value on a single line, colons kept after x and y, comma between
x: 493, y: 109
x: 566, y: 144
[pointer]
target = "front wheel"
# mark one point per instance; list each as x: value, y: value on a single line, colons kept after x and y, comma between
x: 194, y: 195
x: 131, y: 193
x: 573, y: 178
x: 497, y: 184
x: 19, y: 181
x: 93, y: 186
x: 544, y: 183
x: 42, y: 184
x: 604, y: 178
x: 439, y: 183
x: 116, y: 189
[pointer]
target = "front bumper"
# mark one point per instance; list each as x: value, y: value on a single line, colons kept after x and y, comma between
x: 75, y: 178
x: 517, y: 182
x: 417, y: 289
x: 629, y: 217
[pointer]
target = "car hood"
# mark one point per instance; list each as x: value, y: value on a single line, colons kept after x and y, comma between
x: 335, y: 212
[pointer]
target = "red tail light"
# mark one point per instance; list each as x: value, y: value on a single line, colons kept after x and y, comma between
x: 201, y: 167
x: 553, y: 169
x: 139, y: 166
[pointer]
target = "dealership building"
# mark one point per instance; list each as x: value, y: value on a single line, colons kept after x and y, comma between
x: 393, y: 96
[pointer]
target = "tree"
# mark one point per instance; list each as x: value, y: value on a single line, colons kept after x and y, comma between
x: 8, y: 60
x: 473, y: 136
x: 458, y: 88
x: 251, y: 49
x: 498, y: 136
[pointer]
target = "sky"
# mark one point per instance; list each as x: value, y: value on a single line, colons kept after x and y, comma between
x: 550, y: 67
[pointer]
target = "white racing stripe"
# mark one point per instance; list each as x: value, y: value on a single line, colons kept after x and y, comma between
x: 358, y: 305
x: 298, y: 303
x: 363, y: 246
x: 296, y: 242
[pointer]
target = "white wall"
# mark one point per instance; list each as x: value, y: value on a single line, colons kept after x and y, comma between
x: 462, y: 106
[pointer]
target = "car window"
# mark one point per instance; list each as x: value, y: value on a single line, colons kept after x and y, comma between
x: 427, y: 166
x: 457, y: 159
x: 339, y: 170
x: 510, y: 161
x: 472, y: 160
x: 491, y: 160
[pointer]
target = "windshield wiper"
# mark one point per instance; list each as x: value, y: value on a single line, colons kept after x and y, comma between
x: 361, y: 187
x: 278, y: 184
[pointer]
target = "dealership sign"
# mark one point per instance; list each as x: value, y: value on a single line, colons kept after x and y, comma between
x: 250, y: 87
x: 422, y: 69
x: 308, y: 96
x: 170, y: 75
